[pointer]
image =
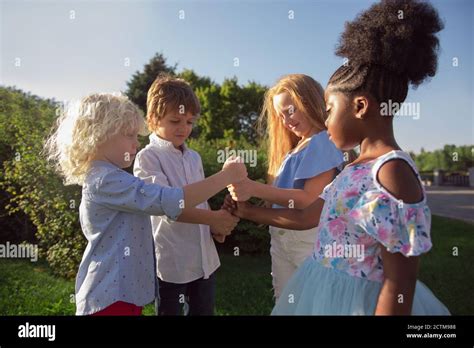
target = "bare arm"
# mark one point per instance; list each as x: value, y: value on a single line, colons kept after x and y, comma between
x: 301, y: 198
x: 196, y: 216
x: 400, y: 272
x: 293, y: 198
x: 201, y: 191
x: 398, y: 289
x: 297, y: 219
x: 195, y: 193
x: 232, y: 172
x: 221, y: 222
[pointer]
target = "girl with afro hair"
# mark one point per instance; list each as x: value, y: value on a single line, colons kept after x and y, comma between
x: 373, y: 219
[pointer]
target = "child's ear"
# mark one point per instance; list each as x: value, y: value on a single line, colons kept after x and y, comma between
x: 361, y: 106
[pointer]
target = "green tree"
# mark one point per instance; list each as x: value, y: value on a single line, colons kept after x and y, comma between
x: 251, y: 99
x: 226, y: 106
x: 137, y: 87
x: 194, y: 80
x: 450, y: 158
x: 32, y: 187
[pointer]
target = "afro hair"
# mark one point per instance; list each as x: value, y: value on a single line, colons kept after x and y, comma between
x: 397, y: 35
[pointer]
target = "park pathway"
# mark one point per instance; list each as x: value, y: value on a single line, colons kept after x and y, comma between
x: 452, y: 202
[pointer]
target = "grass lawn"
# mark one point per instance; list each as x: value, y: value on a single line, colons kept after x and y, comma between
x: 244, y: 282
x: 450, y: 277
x: 244, y: 287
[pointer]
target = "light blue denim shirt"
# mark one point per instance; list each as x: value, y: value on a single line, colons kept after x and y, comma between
x: 118, y: 263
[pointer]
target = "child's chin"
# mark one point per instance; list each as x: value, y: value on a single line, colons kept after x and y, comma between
x: 179, y: 142
x: 341, y: 146
x: 346, y: 147
x: 125, y: 164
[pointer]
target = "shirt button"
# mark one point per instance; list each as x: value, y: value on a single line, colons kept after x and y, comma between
x: 281, y: 232
x: 142, y: 191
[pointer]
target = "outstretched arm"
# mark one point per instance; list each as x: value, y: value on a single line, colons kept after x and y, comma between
x: 221, y: 222
x: 292, y: 198
x: 232, y: 171
x: 296, y: 219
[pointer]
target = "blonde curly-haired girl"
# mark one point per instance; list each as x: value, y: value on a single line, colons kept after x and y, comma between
x: 94, y: 140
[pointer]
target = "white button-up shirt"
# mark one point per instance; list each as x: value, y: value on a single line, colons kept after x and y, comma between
x: 184, y: 252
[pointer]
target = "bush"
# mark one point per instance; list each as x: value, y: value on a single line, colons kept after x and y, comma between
x: 31, y: 184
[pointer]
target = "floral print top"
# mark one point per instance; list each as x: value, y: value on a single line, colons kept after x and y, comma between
x: 360, y: 217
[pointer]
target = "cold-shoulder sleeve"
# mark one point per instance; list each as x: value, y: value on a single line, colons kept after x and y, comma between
x: 328, y: 189
x: 320, y: 156
x: 399, y: 227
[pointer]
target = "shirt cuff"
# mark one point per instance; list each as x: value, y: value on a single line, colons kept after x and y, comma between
x: 172, y: 202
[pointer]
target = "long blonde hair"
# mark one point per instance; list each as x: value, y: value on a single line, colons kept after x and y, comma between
x: 308, y: 96
x: 84, y: 126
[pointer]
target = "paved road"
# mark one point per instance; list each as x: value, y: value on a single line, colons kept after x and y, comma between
x: 453, y: 202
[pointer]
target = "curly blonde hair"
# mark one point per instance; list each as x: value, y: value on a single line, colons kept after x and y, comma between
x: 84, y: 126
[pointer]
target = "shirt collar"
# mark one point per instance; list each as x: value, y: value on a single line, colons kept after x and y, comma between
x: 165, y: 144
x: 100, y: 163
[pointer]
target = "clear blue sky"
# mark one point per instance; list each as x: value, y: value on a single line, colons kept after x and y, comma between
x: 66, y: 58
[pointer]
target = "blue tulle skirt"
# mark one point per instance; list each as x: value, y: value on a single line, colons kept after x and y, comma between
x: 318, y: 290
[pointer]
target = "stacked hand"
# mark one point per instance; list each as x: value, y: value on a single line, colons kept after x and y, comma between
x: 225, y: 219
x: 235, y: 208
x: 222, y: 225
x: 241, y: 191
x: 235, y: 168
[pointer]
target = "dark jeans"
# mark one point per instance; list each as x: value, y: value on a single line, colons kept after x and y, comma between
x: 198, y: 294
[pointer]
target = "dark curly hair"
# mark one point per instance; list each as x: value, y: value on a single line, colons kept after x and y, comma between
x: 389, y: 46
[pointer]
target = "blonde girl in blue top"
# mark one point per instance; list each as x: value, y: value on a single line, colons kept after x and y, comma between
x: 373, y: 219
x: 92, y: 144
x: 301, y: 162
